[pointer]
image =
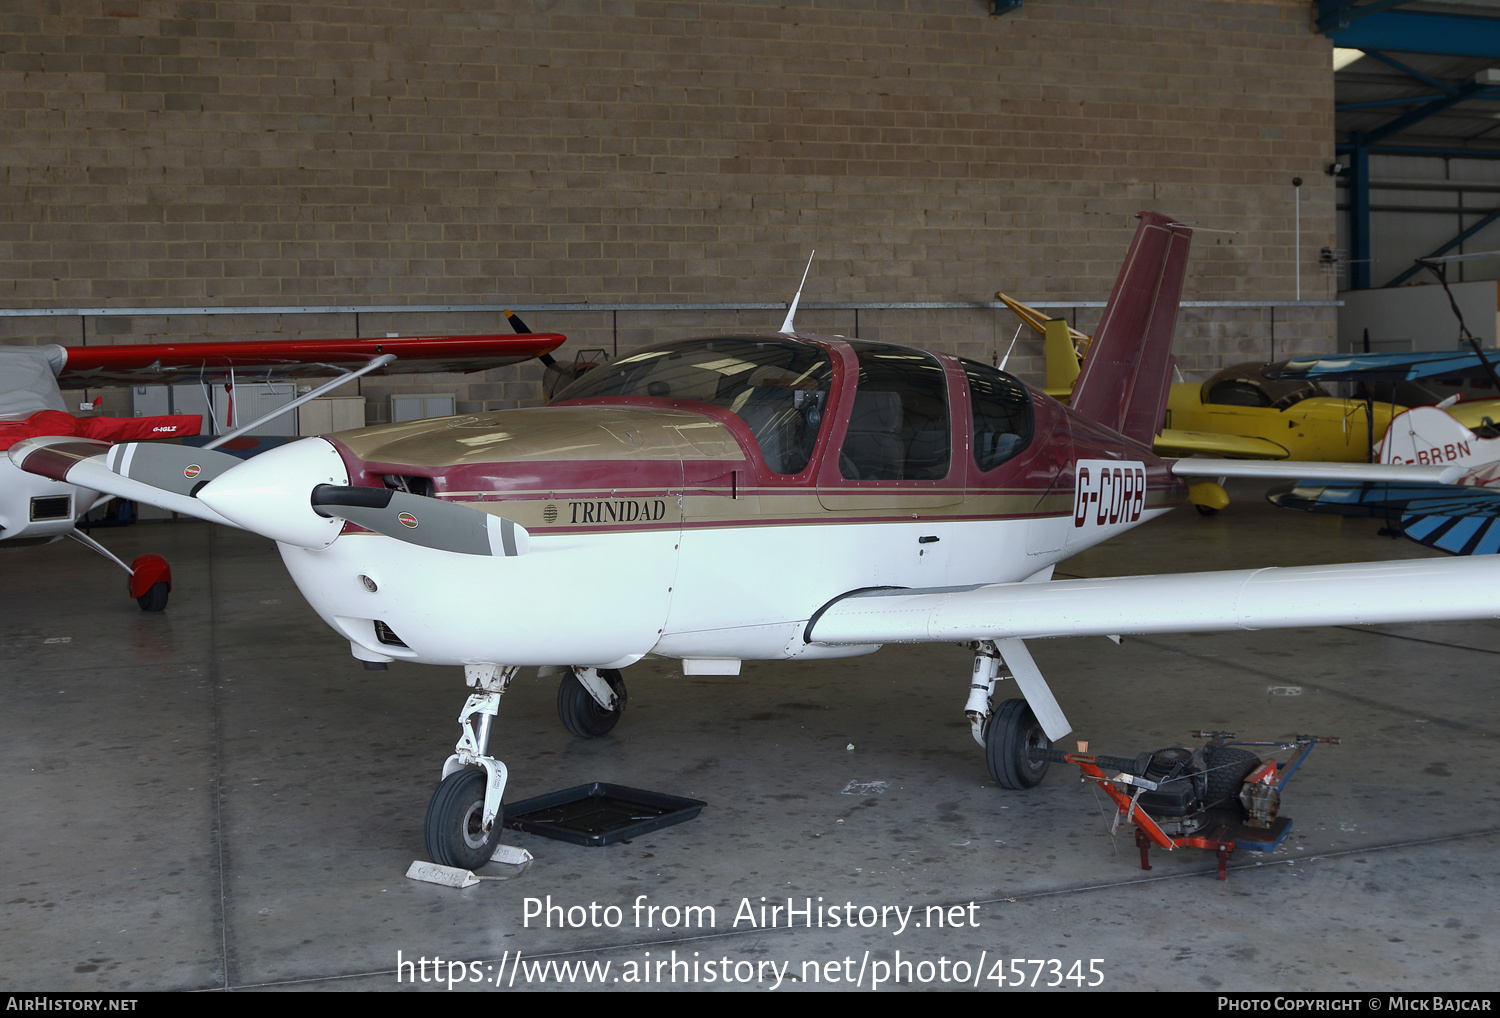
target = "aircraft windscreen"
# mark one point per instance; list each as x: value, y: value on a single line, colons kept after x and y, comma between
x: 779, y: 388
x: 1250, y: 385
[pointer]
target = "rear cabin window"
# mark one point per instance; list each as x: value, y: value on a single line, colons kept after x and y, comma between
x: 898, y: 428
x: 1001, y: 408
x: 779, y: 388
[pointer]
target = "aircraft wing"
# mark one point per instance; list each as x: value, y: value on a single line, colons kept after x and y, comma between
x: 1296, y: 470
x: 165, y: 363
x: 1173, y: 442
x: 1455, y: 518
x: 1382, y: 367
x: 1362, y: 593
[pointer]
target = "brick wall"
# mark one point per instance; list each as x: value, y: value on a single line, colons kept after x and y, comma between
x: 171, y: 152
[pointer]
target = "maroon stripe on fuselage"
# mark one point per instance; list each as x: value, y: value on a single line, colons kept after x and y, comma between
x: 496, y: 479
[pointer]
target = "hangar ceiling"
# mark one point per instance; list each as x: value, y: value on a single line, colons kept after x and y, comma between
x: 1427, y: 84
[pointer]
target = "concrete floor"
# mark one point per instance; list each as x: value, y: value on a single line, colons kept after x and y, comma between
x: 219, y: 797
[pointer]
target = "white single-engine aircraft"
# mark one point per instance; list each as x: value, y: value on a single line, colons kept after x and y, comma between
x: 36, y: 509
x: 769, y: 497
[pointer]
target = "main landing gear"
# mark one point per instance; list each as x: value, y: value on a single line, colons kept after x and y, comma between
x: 590, y: 700
x: 150, y: 576
x: 1011, y: 732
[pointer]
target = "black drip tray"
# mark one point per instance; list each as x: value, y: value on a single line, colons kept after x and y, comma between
x: 599, y: 814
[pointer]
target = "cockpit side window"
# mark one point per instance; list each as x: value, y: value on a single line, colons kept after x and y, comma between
x: 1002, y: 413
x: 898, y: 428
x: 779, y: 388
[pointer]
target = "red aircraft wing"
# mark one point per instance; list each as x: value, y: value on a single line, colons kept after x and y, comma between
x: 164, y: 363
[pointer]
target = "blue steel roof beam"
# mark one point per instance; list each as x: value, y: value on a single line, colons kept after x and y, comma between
x: 1410, y: 71
x: 1377, y: 103
x: 1417, y: 150
x: 1359, y: 217
x: 1465, y: 235
x: 1411, y: 101
x: 1401, y: 123
x: 1454, y: 35
x: 1334, y: 14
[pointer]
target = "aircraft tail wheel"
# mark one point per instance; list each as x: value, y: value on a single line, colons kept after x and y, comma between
x: 580, y: 713
x: 154, y: 599
x: 454, y: 829
x: 1013, y: 729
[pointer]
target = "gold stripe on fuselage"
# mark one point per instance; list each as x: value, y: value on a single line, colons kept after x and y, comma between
x: 643, y: 509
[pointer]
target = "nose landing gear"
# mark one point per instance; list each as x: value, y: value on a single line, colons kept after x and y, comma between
x: 464, y: 816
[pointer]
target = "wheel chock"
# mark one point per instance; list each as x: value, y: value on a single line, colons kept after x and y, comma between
x: 452, y: 876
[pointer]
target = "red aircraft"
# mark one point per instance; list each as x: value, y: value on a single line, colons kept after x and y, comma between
x: 40, y: 510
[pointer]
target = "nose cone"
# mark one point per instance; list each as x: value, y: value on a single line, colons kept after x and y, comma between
x: 271, y: 494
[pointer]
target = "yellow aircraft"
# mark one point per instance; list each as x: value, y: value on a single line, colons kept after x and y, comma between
x: 1238, y: 413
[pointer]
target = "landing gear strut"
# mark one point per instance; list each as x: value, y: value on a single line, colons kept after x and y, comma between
x: 464, y: 817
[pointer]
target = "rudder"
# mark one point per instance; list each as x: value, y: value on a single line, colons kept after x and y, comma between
x: 1128, y: 371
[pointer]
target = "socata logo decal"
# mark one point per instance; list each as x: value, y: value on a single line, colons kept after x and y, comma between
x: 1109, y: 491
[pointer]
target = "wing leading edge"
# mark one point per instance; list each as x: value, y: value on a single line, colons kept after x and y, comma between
x: 161, y: 363
x: 1361, y: 593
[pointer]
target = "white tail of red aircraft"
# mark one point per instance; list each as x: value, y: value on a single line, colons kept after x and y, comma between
x: 1427, y: 436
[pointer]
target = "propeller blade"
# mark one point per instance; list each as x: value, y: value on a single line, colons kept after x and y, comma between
x: 516, y: 323
x: 522, y: 329
x: 179, y: 469
x: 417, y: 519
x: 84, y: 462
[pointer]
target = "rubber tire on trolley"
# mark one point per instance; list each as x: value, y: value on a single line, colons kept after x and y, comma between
x: 580, y: 713
x: 1013, y: 729
x: 454, y: 827
x: 1228, y: 767
x: 155, y: 599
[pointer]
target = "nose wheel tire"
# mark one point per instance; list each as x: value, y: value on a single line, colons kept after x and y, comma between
x: 580, y: 713
x: 1012, y: 730
x: 454, y: 829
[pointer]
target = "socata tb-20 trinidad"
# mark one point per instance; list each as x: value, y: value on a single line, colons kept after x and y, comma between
x: 772, y: 497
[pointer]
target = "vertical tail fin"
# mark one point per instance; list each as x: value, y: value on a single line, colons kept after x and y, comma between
x: 1425, y: 434
x: 1128, y: 371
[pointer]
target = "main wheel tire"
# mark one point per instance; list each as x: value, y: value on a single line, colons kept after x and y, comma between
x: 1228, y: 767
x: 1014, y: 729
x: 580, y: 713
x: 1206, y: 510
x: 454, y: 830
x: 155, y: 599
